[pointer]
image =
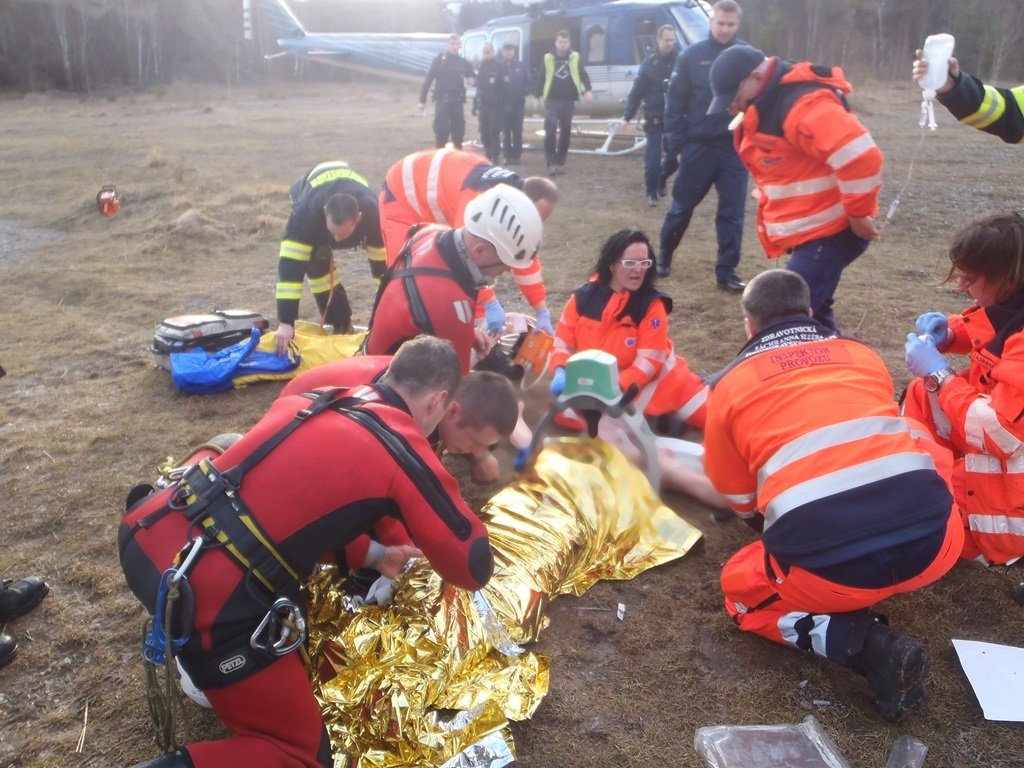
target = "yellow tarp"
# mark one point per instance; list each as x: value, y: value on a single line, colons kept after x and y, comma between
x: 314, y: 347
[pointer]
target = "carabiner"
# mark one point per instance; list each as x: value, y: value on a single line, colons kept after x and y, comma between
x: 182, y: 571
x: 287, y: 621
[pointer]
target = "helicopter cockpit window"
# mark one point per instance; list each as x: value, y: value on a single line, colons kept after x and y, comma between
x: 595, y: 37
x: 692, y: 18
x: 502, y: 36
x: 646, y: 36
x: 473, y: 48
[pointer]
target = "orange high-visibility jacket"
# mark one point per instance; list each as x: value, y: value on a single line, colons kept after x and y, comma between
x: 979, y: 413
x: 803, y: 428
x: 814, y: 163
x: 633, y: 327
x: 434, y: 186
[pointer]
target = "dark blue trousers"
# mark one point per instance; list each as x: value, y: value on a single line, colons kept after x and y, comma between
x: 652, y: 158
x: 821, y: 263
x: 702, y: 166
x: 512, y: 133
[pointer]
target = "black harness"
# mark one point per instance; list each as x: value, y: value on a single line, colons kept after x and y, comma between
x: 404, y: 271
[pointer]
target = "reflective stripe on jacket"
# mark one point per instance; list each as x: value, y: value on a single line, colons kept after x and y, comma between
x: 306, y: 232
x: 980, y: 414
x: 434, y: 186
x: 803, y: 428
x: 634, y: 329
x: 999, y: 111
x: 814, y: 163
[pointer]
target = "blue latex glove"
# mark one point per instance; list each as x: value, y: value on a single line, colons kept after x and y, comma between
x: 521, y: 458
x: 495, y: 315
x: 923, y: 359
x: 557, y: 381
x: 544, y: 321
x: 935, y: 325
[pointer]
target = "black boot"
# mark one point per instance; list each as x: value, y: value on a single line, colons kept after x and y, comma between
x: 19, y: 597
x: 8, y: 649
x: 663, y: 265
x: 178, y: 759
x: 896, y: 667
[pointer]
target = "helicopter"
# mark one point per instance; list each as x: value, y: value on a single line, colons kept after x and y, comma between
x: 613, y: 39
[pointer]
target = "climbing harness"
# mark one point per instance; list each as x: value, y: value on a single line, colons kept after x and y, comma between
x: 208, y: 499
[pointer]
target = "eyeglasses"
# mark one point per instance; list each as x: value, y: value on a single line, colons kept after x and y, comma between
x: 634, y: 263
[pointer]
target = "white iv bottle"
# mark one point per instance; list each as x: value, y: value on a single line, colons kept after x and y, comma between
x: 937, y: 50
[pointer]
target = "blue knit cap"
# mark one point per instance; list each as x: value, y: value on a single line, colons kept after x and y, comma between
x: 732, y: 67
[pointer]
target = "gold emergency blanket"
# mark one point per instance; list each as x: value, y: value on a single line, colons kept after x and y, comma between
x: 424, y: 682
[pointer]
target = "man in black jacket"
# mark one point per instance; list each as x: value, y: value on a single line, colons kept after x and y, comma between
x: 517, y: 88
x: 489, y: 103
x: 703, y: 143
x: 649, y: 87
x: 449, y: 73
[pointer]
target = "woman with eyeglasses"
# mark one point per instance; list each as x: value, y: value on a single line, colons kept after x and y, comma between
x: 978, y: 412
x: 619, y: 311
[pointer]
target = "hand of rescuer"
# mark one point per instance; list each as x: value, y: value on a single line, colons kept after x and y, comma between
x: 482, y: 342
x: 923, y: 359
x: 484, y: 468
x: 557, y: 381
x: 495, y: 316
x: 544, y: 321
x: 921, y: 69
x: 395, y: 558
x: 285, y: 334
x: 864, y: 227
x: 935, y: 325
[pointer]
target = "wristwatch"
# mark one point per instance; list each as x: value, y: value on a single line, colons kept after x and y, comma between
x: 933, y: 381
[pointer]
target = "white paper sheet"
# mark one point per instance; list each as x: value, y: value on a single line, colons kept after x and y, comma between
x: 996, y: 672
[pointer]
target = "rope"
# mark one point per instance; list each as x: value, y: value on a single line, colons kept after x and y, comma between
x: 162, y: 697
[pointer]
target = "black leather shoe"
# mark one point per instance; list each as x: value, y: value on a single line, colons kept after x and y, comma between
x: 732, y: 284
x: 8, y: 649
x: 663, y: 189
x: 19, y: 597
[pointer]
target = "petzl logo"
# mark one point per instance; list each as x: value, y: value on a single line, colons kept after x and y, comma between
x: 233, y: 664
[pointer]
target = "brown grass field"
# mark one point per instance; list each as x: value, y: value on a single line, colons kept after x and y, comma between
x: 84, y: 414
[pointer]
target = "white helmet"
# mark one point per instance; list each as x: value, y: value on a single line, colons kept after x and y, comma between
x: 508, y: 219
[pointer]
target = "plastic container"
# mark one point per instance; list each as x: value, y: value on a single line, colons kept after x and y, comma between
x: 907, y: 752
x: 937, y: 50
x: 768, y: 746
